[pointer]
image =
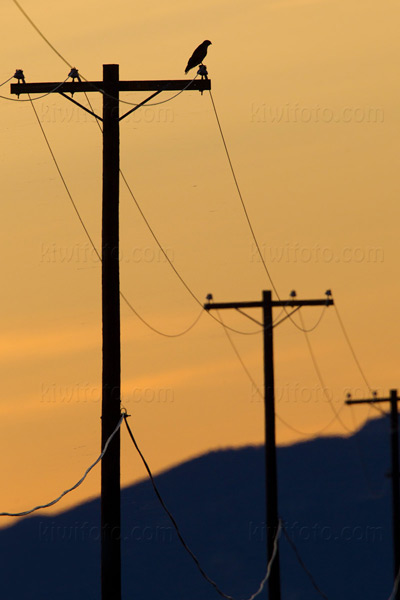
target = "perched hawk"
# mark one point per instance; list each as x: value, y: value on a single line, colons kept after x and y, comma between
x: 198, y: 56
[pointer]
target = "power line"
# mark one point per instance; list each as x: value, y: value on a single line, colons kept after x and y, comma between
x: 155, y: 330
x: 337, y: 413
x: 310, y: 329
x: 301, y: 562
x: 244, y: 207
x: 6, y: 81
x: 319, y: 375
x: 139, y: 104
x: 352, y: 349
x: 45, y: 39
x: 181, y: 539
x: 256, y: 387
x: 63, y: 180
x: 167, y: 258
x: 37, y: 97
x: 373, y: 493
x: 241, y: 197
x: 17, y: 4
x: 158, y: 331
x: 245, y: 210
x: 28, y: 512
x: 129, y: 304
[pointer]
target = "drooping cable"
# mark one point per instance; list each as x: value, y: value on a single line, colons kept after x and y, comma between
x: 6, y: 81
x: 98, y: 89
x: 36, y: 97
x: 372, y: 492
x: 319, y: 375
x: 181, y: 539
x: 44, y: 38
x: 301, y: 562
x: 347, y: 338
x: 63, y: 180
x: 129, y: 304
x: 258, y: 391
x: 247, y: 214
x: 169, y: 261
x: 268, y: 573
x: 193, y: 295
x: 158, y: 331
x: 241, y: 197
x: 318, y: 321
x: 82, y: 479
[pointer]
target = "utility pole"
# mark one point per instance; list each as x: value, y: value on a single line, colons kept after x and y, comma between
x: 110, y: 87
x: 271, y: 476
x: 394, y: 446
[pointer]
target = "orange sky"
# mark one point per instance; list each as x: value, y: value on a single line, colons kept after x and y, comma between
x: 307, y: 93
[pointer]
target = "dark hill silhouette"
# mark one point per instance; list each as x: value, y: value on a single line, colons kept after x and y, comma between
x: 334, y: 499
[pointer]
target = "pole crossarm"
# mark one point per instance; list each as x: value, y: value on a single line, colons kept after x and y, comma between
x: 72, y: 87
x: 370, y: 400
x: 392, y: 398
x: 274, y: 303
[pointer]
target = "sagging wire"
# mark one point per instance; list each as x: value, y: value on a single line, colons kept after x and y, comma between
x: 301, y: 562
x: 346, y: 336
x: 129, y: 304
x: 183, y: 542
x: 98, y: 89
x: 17, y: 4
x: 319, y: 375
x: 64, y: 182
x: 258, y: 391
x: 337, y: 414
x: 82, y: 479
x: 36, y: 97
x: 6, y: 81
x: 125, y: 299
x: 246, y: 212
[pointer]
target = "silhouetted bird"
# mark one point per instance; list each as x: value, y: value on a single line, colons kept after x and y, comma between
x: 198, y: 55
x: 19, y: 75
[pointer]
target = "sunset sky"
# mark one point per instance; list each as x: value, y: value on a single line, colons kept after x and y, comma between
x: 307, y: 95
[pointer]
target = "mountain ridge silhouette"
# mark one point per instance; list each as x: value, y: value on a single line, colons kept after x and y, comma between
x: 334, y: 499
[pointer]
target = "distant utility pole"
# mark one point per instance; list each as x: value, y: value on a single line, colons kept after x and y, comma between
x: 394, y: 444
x: 267, y: 304
x: 110, y: 88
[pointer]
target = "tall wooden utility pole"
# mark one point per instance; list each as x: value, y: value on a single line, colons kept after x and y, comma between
x: 271, y: 477
x: 110, y: 87
x: 395, y: 476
